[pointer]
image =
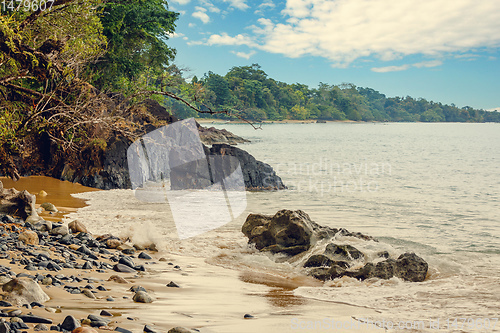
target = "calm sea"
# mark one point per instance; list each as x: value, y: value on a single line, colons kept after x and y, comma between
x: 432, y: 189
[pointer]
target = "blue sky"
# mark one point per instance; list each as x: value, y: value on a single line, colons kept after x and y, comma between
x: 443, y: 50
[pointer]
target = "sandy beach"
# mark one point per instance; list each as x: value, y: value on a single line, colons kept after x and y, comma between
x: 209, y: 298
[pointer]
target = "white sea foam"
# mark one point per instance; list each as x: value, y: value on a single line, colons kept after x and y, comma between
x: 437, y: 202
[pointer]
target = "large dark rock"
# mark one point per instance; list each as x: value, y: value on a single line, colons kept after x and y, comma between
x: 293, y: 232
x: 288, y: 231
x: 256, y: 174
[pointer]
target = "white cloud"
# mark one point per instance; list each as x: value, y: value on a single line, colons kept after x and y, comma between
x: 225, y: 39
x: 346, y: 30
x: 210, y: 6
x: 390, y: 69
x: 423, y: 64
x: 181, y: 2
x: 494, y: 109
x: 244, y: 55
x: 201, y: 13
x: 191, y: 25
x: 428, y: 64
x: 239, y: 4
x: 266, y: 5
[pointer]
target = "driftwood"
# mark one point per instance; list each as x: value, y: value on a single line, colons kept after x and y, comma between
x: 18, y: 203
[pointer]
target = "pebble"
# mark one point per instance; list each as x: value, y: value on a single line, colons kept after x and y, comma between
x: 137, y: 288
x: 35, y: 319
x: 88, y: 293
x: 180, y: 330
x: 172, y: 284
x: 148, y: 329
x: 105, y: 313
x: 49, y: 207
x: 123, y: 268
x: 84, y: 330
x: 143, y: 255
x: 142, y: 297
x: 41, y: 327
x: 117, y: 279
x: 70, y: 323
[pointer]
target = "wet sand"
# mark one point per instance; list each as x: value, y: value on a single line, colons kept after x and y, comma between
x: 210, y: 298
x: 58, y: 192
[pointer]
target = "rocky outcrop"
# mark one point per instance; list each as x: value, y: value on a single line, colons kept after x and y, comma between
x: 114, y: 172
x: 293, y: 232
x: 212, y: 136
x: 408, y: 267
x: 256, y: 174
x: 18, y: 203
x: 288, y: 231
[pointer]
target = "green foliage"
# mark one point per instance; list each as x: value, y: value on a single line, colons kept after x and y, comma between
x: 136, y: 31
x: 258, y: 97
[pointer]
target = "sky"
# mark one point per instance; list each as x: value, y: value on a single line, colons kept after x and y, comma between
x: 446, y: 51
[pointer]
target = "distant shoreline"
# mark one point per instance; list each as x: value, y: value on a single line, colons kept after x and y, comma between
x: 286, y: 121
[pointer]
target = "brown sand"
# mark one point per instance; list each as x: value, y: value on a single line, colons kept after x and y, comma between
x: 211, y: 298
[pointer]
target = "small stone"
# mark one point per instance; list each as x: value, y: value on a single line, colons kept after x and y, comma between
x: 106, y: 313
x: 70, y: 323
x: 117, y: 279
x: 60, y: 230
x: 143, y: 255
x: 49, y: 207
x: 77, y: 226
x: 110, y: 299
x: 148, y: 329
x: 172, y: 284
x: 248, y: 316
x: 86, y: 265
x: 41, y: 327
x: 29, y: 237
x: 47, y: 281
x: 123, y: 268
x: 88, y: 293
x: 137, y: 288
x: 86, y: 321
x: 35, y: 319
x: 16, y: 320
x: 127, y: 261
x: 84, y: 330
x: 180, y: 330
x: 42, y: 193
x: 142, y: 297
x: 122, y: 330
x: 113, y: 243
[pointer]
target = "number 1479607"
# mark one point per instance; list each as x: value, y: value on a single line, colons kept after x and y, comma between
x: 26, y: 5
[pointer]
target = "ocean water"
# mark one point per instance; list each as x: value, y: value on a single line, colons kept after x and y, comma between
x: 432, y: 189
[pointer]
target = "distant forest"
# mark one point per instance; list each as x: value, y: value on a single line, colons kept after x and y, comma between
x: 249, y: 91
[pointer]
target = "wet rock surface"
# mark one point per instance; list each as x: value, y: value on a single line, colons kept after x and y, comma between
x: 293, y: 233
x: 289, y: 232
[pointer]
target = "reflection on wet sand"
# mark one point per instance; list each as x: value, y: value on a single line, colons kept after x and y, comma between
x: 58, y: 193
x: 281, y: 292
